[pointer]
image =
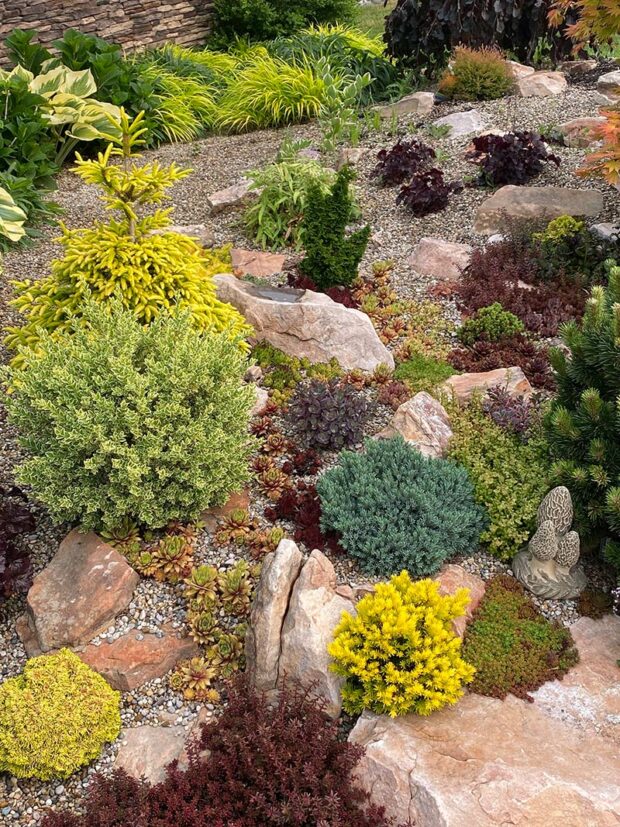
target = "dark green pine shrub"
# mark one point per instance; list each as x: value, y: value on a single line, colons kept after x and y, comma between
x: 583, y: 425
x: 332, y: 257
x: 396, y: 509
x: 513, y: 647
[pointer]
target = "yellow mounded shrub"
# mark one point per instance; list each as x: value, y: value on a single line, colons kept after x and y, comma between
x: 153, y: 273
x: 55, y: 717
x: 399, y: 654
x: 151, y: 268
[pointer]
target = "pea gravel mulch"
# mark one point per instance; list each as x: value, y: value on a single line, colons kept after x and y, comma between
x: 218, y: 162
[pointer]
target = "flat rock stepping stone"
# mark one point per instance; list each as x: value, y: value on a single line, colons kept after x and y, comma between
x: 588, y: 697
x: 146, y: 751
x: 306, y: 324
x: 419, y: 103
x: 464, y: 385
x: 255, y: 263
x: 135, y: 658
x: 578, y: 133
x: 77, y: 595
x: 542, y: 84
x: 422, y: 421
x: 463, y: 123
x: 535, y: 202
x: 231, y: 197
x: 441, y: 259
x: 609, y: 85
x: 487, y: 762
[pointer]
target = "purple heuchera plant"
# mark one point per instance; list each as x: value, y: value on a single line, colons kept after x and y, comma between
x: 515, y: 414
x: 15, y: 564
x: 401, y: 161
x: 328, y: 415
x: 427, y: 192
x: 513, y: 158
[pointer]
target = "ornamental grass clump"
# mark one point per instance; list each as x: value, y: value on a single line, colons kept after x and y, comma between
x: 512, y: 646
x: 122, y: 421
x: 399, y: 653
x: 153, y: 269
x: 396, y: 509
x: 55, y: 717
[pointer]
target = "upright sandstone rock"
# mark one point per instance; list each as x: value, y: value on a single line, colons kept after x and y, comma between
x: 271, y: 599
x: 423, y: 422
x: 306, y: 324
x: 314, y: 612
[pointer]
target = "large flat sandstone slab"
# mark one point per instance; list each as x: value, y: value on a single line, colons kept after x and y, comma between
x: 85, y: 585
x: 485, y: 763
x: 535, y: 202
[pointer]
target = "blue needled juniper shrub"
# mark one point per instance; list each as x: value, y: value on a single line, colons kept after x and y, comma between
x: 328, y: 415
x: 400, y: 162
x: 273, y: 766
x: 396, y: 509
x: 513, y: 158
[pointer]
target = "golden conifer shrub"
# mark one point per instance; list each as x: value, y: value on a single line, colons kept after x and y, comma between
x: 55, y: 717
x: 139, y: 257
x: 400, y: 654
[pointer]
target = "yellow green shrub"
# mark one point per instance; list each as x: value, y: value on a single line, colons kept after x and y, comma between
x: 152, y: 269
x: 55, y: 717
x: 399, y: 654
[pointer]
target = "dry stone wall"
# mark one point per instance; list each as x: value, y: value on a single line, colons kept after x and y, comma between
x: 133, y: 23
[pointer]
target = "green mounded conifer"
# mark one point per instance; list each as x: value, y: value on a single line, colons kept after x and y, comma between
x: 583, y: 425
x: 332, y: 256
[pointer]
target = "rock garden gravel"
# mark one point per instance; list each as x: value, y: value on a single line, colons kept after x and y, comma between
x: 219, y: 162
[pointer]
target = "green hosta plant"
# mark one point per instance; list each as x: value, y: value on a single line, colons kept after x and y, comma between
x: 124, y: 421
x: 153, y: 270
x: 12, y: 218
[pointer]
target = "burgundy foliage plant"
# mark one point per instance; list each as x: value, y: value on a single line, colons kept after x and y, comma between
x: 301, y: 506
x: 507, y: 273
x: 267, y: 766
x: 15, y: 564
x: 427, y: 192
x: 516, y: 414
x: 400, y: 162
x: 513, y: 158
x: 511, y: 351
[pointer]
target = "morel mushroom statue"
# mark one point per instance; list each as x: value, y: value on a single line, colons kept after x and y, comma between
x: 548, y: 566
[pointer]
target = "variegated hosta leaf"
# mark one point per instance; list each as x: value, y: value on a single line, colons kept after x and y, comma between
x: 12, y: 218
x: 97, y: 121
x: 80, y: 83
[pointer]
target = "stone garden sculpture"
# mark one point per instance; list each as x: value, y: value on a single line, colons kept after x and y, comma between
x: 548, y: 566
